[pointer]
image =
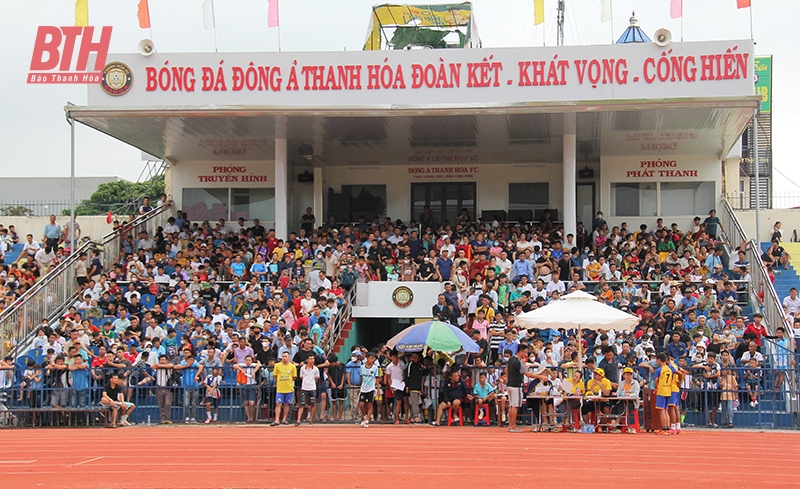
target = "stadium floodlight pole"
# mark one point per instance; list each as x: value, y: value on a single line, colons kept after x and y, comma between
x: 758, y: 179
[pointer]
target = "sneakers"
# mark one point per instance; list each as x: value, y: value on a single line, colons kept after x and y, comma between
x: 363, y: 423
x: 755, y: 403
x: 662, y: 433
x: 208, y: 420
x: 366, y: 424
x: 456, y: 420
x: 186, y: 420
x: 673, y: 431
x: 192, y: 420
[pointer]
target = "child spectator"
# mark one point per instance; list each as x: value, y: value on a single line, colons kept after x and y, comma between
x: 212, y: 384
x: 752, y: 380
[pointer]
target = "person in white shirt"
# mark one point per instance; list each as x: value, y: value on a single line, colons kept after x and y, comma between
x: 160, y: 277
x: 309, y: 375
x: 447, y: 245
x: 154, y: 330
x: 792, y: 302
x: 30, y: 247
x: 555, y: 285
x: 504, y: 263
x: 44, y: 260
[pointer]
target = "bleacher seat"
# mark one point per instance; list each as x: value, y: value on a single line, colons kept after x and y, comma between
x: 13, y: 255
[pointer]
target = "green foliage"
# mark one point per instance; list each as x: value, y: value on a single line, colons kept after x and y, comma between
x: 16, y: 210
x: 121, y: 197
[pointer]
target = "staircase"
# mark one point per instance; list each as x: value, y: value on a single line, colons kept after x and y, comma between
x: 341, y: 324
x: 786, y: 279
x: 52, y: 294
x: 346, y: 328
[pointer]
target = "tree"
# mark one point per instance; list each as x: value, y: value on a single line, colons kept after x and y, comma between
x: 16, y: 210
x: 121, y: 197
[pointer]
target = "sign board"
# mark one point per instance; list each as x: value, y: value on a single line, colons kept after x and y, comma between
x: 452, y: 78
x: 763, y: 76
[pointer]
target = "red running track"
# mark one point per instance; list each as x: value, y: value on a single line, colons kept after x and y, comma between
x: 418, y: 457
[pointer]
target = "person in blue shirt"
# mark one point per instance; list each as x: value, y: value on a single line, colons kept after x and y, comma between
x: 444, y: 266
x: 237, y: 267
x: 727, y: 292
x: 79, y: 381
x: 353, y: 379
x: 689, y: 302
x: 189, y: 380
x: 52, y: 235
x: 676, y: 348
x: 521, y: 266
x: 510, y: 343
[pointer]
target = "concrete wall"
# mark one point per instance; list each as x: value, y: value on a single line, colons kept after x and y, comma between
x: 94, y: 226
x: 789, y: 218
x: 374, y: 300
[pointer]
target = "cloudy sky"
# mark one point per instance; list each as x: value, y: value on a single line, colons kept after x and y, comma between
x: 36, y: 135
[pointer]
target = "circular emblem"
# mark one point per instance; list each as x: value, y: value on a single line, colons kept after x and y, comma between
x: 402, y: 296
x: 117, y: 79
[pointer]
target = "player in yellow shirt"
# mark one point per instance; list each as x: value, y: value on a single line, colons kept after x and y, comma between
x: 285, y: 373
x: 663, y: 379
x: 674, y: 405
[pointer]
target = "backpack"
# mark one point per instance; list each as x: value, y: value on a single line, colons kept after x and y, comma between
x: 348, y: 277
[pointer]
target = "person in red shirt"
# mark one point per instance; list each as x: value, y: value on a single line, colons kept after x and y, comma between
x: 479, y: 266
x: 757, y: 328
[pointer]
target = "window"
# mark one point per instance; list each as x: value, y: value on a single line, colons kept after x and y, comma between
x: 523, y: 196
x: 687, y: 198
x: 445, y: 200
x: 367, y: 200
x: 205, y: 204
x: 253, y: 203
x: 212, y: 204
x: 633, y: 199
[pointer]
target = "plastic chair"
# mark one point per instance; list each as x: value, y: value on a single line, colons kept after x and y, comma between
x: 460, y: 415
x: 486, y: 416
x: 148, y: 301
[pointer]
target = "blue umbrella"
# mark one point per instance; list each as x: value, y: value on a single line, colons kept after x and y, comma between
x: 437, y: 335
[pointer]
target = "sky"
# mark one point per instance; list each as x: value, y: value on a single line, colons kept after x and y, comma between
x: 36, y: 135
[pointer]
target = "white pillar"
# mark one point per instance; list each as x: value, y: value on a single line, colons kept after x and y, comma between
x: 281, y: 190
x: 318, y: 186
x: 570, y: 213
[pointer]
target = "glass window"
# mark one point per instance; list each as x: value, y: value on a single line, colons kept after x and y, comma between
x: 528, y: 196
x: 205, y: 204
x: 253, y: 203
x: 367, y: 200
x: 445, y: 200
x: 687, y: 198
x: 633, y: 199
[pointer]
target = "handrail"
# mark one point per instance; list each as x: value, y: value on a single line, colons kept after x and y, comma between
x: 340, y: 319
x: 773, y: 308
x: 48, y: 295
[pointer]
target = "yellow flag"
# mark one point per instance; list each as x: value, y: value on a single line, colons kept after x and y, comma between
x: 81, y: 13
x: 538, y: 12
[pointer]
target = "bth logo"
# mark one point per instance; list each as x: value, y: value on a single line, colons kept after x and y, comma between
x: 52, y: 60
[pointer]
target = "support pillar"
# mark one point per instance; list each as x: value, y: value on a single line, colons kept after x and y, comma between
x: 318, y: 194
x: 281, y: 190
x: 570, y: 211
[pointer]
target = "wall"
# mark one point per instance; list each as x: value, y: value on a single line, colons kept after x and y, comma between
x: 789, y: 218
x: 630, y: 170
x: 94, y: 226
x: 491, y: 182
x: 374, y: 300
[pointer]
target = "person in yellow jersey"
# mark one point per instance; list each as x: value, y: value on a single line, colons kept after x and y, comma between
x: 663, y: 380
x: 284, y: 372
x: 597, y: 386
x: 674, y: 405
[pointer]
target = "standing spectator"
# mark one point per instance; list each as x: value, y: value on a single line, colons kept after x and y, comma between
x: 52, y: 235
x: 309, y: 376
x: 370, y: 382
x: 711, y: 222
x: 146, y: 207
x: 81, y: 271
x: 284, y: 372
x: 164, y: 389
x: 190, y: 384
x: 212, y: 384
x: 307, y: 221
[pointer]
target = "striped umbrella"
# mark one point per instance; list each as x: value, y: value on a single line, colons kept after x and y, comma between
x: 436, y: 335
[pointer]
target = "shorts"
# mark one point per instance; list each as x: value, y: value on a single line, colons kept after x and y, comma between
x: 284, y: 398
x: 248, y: 393
x: 213, y: 401
x: 752, y: 384
x: 82, y: 280
x: 675, y: 399
x: 366, y: 397
x: 308, y: 398
x: 662, y: 402
x: 515, y: 396
x: 398, y: 394
x: 338, y: 394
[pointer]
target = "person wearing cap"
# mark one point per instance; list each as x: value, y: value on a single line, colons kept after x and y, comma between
x: 628, y: 388
x: 597, y: 386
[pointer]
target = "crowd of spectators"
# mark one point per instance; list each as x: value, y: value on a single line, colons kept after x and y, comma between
x: 194, y: 297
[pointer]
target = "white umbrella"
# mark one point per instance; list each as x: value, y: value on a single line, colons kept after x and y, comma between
x: 577, y: 310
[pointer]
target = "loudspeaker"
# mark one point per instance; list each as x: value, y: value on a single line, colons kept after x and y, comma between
x: 146, y: 47
x: 662, y: 37
x: 305, y: 177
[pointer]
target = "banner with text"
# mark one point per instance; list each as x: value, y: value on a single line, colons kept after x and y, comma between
x: 446, y: 78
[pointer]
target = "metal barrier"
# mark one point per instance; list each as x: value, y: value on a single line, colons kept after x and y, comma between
x: 58, y: 288
x: 774, y: 315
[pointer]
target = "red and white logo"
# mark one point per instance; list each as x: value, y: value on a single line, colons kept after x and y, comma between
x: 53, y: 59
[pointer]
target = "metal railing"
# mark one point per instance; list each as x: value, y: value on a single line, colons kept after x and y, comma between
x: 774, y: 315
x: 49, y: 295
x: 340, y: 320
x: 778, y: 200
